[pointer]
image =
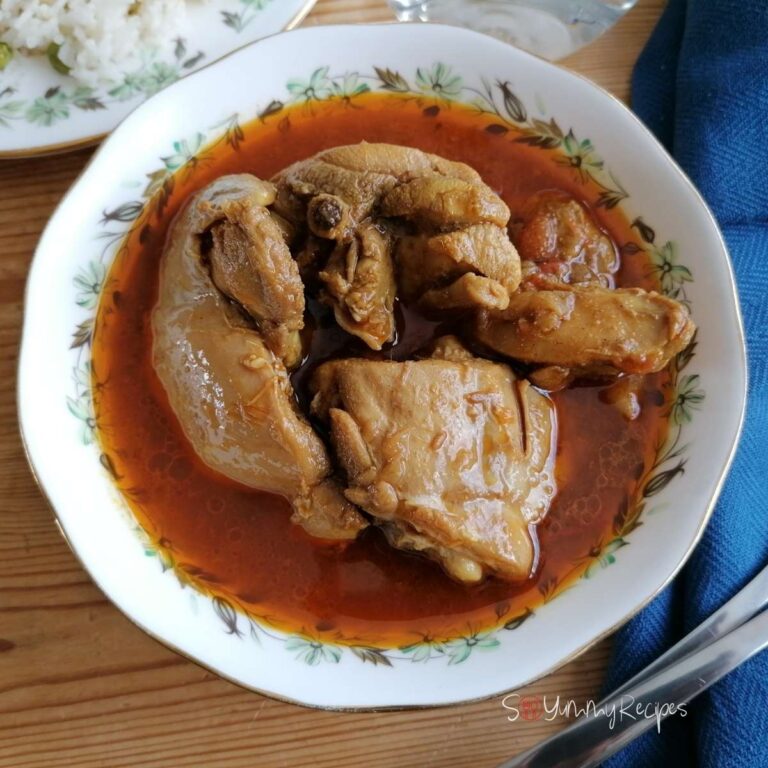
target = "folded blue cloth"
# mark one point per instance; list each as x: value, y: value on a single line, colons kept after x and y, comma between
x: 701, y: 85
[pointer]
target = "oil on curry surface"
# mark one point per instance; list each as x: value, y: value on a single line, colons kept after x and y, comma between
x: 238, y: 545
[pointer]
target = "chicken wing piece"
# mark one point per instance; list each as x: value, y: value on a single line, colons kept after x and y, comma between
x: 360, y: 284
x: 451, y: 454
x: 561, y: 241
x: 626, y: 329
x: 251, y: 263
x: 353, y: 178
x: 343, y: 193
x: 334, y: 194
x: 230, y: 392
x: 426, y: 262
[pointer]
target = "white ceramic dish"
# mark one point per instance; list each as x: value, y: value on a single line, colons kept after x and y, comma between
x: 634, y: 171
x: 42, y: 111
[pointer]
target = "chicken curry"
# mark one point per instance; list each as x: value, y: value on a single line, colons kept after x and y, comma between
x: 382, y: 385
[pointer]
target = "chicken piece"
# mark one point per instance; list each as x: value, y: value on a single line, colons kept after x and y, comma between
x: 230, y: 393
x: 343, y: 192
x: 624, y: 395
x: 450, y: 348
x: 444, y: 203
x: 424, y: 262
x: 251, y: 263
x: 552, y: 378
x: 398, y: 161
x: 355, y: 176
x: 595, y: 329
x: 360, y: 284
x: 470, y: 291
x: 451, y: 454
x: 561, y: 241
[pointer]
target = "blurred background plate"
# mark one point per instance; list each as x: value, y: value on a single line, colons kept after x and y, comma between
x: 552, y: 29
x: 44, y: 112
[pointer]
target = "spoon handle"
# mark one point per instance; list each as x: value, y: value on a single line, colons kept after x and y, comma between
x: 745, y: 604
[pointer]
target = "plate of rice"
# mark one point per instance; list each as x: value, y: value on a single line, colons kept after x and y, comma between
x: 71, y: 70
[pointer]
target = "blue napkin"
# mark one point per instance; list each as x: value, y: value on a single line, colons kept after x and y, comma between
x: 701, y: 85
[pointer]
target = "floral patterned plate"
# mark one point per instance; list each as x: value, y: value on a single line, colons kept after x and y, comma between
x: 42, y: 111
x: 553, y: 110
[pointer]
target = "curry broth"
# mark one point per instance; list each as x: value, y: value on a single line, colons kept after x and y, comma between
x: 239, y: 543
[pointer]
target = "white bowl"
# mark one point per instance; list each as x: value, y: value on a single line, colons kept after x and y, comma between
x: 54, y: 389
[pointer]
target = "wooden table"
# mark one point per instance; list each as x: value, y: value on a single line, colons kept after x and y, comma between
x: 82, y: 686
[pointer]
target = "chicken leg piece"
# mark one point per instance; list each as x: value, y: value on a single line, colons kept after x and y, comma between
x: 229, y: 391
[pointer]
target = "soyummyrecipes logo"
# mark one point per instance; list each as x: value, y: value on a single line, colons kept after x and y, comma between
x: 538, y: 707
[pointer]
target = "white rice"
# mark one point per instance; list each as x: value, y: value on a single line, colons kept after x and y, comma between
x: 100, y: 40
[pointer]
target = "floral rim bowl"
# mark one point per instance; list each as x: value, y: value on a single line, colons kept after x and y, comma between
x: 684, y: 246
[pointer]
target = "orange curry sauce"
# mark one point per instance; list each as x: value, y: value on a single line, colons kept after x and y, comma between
x: 238, y: 543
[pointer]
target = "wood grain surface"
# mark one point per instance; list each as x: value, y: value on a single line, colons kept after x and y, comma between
x: 81, y: 686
